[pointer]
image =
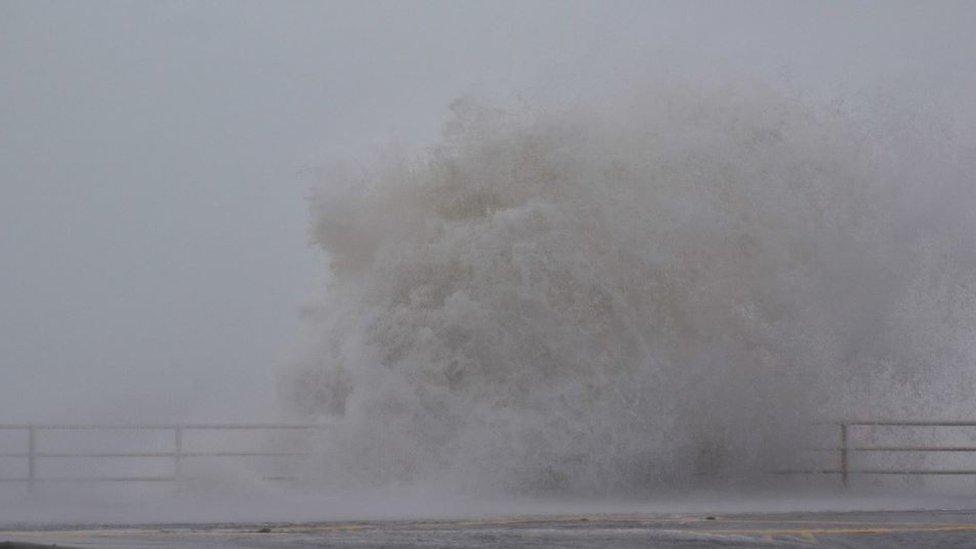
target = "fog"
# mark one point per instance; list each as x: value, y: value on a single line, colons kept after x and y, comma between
x: 249, y: 211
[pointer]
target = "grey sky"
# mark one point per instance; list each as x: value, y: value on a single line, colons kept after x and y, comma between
x: 152, y: 220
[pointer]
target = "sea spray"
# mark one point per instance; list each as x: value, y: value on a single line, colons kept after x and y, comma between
x: 657, y: 289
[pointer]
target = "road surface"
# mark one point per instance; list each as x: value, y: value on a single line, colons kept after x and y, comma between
x: 891, y: 529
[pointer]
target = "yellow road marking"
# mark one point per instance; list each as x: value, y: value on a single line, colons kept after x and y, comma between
x: 828, y: 521
x: 808, y: 536
x: 811, y: 532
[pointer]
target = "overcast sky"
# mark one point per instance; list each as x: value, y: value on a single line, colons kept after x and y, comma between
x: 155, y: 156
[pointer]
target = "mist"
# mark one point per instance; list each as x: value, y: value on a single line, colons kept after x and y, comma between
x: 524, y: 248
x: 673, y: 283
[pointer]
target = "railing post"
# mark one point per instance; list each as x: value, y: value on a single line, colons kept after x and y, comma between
x: 178, y: 452
x: 31, y: 456
x: 844, y: 466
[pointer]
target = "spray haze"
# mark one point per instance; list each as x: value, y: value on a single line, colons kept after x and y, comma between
x: 662, y: 285
x: 602, y: 249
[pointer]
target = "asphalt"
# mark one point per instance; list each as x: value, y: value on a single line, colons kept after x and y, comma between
x: 888, y: 529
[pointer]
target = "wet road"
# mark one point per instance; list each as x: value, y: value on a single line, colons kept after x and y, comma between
x: 908, y: 529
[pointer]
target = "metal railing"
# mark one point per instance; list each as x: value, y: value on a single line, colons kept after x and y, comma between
x: 847, y: 449
x: 178, y: 452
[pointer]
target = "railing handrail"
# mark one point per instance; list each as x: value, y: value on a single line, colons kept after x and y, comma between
x: 177, y: 454
x: 905, y: 423
x: 32, y: 454
x: 158, y: 426
x: 845, y: 449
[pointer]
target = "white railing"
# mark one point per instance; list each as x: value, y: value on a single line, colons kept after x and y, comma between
x: 33, y: 453
x: 848, y: 447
